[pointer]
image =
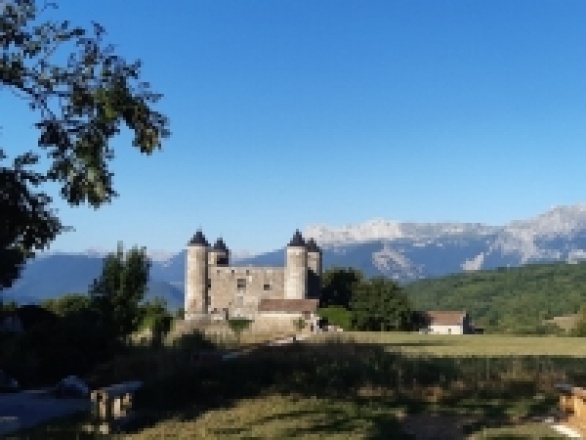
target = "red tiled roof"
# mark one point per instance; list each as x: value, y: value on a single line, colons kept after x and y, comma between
x: 287, y: 305
x: 440, y: 317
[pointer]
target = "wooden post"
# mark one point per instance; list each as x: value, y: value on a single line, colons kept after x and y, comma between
x: 572, y: 401
x: 579, y: 408
x: 566, y: 403
x: 112, y: 403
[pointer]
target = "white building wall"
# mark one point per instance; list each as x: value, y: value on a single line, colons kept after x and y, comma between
x: 446, y: 329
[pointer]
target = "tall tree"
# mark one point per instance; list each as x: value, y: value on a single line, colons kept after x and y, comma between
x: 155, y: 316
x: 67, y: 304
x: 121, y: 287
x: 338, y: 285
x: 380, y: 305
x: 82, y: 92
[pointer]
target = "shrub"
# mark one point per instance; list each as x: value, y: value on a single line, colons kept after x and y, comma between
x: 337, y: 315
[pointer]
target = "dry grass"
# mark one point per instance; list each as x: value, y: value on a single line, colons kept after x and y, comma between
x: 223, y: 337
x: 467, y: 345
x: 277, y: 417
x: 532, y: 431
x: 361, y: 385
x: 566, y: 323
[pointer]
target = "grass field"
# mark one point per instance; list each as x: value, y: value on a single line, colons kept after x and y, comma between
x: 466, y: 345
x: 279, y: 417
x: 365, y: 386
x: 373, y: 385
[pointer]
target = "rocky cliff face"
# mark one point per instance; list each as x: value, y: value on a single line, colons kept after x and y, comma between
x: 408, y: 251
x: 402, y: 251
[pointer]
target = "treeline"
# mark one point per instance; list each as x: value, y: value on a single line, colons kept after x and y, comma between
x: 352, y: 302
x: 74, y: 333
x: 507, y: 300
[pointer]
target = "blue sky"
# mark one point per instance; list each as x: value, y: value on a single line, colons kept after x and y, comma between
x: 295, y: 112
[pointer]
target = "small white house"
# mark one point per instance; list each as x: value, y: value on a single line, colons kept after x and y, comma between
x: 441, y: 322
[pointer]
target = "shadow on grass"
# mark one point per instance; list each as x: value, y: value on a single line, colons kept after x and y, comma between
x: 477, y: 391
x: 345, y: 389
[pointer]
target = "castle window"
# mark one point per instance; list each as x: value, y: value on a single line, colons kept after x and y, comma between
x: 241, y: 283
x: 247, y: 272
x: 209, y: 283
x: 266, y: 286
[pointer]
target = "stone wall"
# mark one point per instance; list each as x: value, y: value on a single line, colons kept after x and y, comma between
x: 296, y: 273
x: 195, y: 297
x: 284, y: 323
x: 240, y: 289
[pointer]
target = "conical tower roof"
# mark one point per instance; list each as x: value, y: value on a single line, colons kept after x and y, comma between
x: 198, y: 239
x: 220, y: 245
x: 312, y: 246
x: 297, y: 240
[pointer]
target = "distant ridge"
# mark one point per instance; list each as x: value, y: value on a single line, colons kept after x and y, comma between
x: 401, y: 251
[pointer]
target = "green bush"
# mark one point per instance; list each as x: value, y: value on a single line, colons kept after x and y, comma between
x: 238, y: 325
x: 337, y: 315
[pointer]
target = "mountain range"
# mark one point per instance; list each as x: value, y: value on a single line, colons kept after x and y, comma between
x: 402, y: 251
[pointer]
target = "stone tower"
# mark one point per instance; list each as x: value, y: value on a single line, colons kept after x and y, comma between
x: 296, y: 268
x: 219, y: 254
x: 314, y: 269
x: 196, y: 289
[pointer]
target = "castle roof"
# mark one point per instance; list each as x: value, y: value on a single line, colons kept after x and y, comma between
x: 198, y: 239
x: 297, y: 240
x: 444, y: 317
x: 220, y: 245
x: 312, y: 246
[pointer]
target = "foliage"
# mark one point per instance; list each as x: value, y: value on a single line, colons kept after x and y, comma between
x: 351, y: 301
x: 380, y: 305
x: 190, y: 342
x: 67, y: 304
x: 9, y: 306
x: 155, y: 316
x: 179, y: 313
x: 72, y: 342
x: 299, y: 324
x: 338, y: 284
x: 238, y: 325
x: 507, y: 300
x: 82, y: 92
x: 337, y: 315
x: 26, y: 220
x: 119, y: 290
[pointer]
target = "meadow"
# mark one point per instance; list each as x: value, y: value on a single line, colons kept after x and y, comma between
x: 465, y: 345
x: 372, y: 385
x: 362, y: 386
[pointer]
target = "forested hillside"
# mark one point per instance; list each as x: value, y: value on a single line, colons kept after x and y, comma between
x: 507, y: 300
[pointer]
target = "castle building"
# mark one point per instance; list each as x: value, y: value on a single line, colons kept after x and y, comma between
x: 219, y: 291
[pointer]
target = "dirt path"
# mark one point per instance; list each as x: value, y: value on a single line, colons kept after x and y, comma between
x: 29, y: 408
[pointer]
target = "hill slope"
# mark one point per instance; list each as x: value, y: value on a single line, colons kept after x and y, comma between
x: 401, y: 251
x: 514, y: 300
